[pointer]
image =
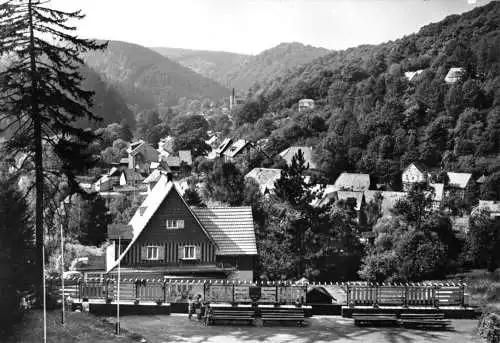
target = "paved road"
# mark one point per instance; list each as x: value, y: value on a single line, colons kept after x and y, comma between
x: 321, y: 329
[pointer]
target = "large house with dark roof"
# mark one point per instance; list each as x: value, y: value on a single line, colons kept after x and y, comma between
x: 166, y: 237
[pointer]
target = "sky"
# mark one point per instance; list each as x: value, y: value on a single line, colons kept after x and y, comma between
x: 252, y: 26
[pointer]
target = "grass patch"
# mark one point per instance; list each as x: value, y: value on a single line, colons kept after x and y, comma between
x: 483, y: 286
x: 79, y: 327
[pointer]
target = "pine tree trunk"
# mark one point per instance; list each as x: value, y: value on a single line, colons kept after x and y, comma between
x: 35, y: 116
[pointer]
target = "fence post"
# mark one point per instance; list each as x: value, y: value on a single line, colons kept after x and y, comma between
x: 349, y: 300
x: 375, y: 303
x: 435, y: 298
x: 462, y: 300
x: 276, y: 295
x: 233, y: 295
x: 405, y: 305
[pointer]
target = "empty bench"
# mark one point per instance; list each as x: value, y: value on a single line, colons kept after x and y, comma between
x: 428, y: 320
x: 282, y: 314
x: 214, y: 315
x: 379, y: 319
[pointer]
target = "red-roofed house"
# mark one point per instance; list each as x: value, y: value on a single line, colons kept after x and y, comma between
x: 167, y: 237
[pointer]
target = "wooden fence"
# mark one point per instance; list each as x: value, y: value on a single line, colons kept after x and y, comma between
x: 214, y: 291
x: 405, y: 295
x: 225, y: 291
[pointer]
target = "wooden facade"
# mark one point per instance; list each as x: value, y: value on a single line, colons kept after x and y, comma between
x: 167, y: 237
x: 171, y: 241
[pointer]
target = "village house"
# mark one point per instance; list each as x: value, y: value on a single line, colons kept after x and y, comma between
x: 306, y: 104
x: 438, y: 194
x: 493, y: 207
x: 454, y: 75
x: 166, y: 237
x: 265, y: 178
x: 226, y: 143
x: 412, y: 75
x: 290, y: 152
x: 460, y: 185
x: 357, y: 198
x: 140, y: 155
x: 388, y: 199
x: 353, y: 182
x: 108, y: 181
x: 239, y: 148
x: 415, y: 173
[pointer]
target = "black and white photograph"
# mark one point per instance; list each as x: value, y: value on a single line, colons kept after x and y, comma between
x: 250, y: 171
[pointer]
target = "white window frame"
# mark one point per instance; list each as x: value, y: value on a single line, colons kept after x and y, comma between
x: 172, y: 222
x: 188, y: 248
x: 154, y: 256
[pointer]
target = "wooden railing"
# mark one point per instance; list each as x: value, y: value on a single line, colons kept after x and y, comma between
x: 214, y: 291
x: 405, y: 295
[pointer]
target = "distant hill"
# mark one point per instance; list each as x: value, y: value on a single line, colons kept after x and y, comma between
x: 242, y: 71
x: 147, y: 79
x: 212, y: 64
x: 272, y: 63
x: 372, y: 113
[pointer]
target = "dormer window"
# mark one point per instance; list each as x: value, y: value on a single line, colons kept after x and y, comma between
x: 173, y: 224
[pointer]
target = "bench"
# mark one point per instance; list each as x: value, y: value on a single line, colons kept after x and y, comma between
x: 282, y: 314
x: 228, y: 314
x: 431, y: 320
x: 361, y: 319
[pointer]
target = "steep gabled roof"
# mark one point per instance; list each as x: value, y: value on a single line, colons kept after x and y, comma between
x: 460, y: 180
x: 231, y: 228
x: 155, y: 176
x: 420, y: 166
x: 131, y: 174
x: 288, y: 154
x: 482, y: 179
x: 236, y: 148
x: 148, y: 208
x: 224, y: 145
x: 438, y: 191
x: 135, y: 146
x: 265, y: 177
x: 453, y: 75
x: 353, y: 182
x: 185, y: 156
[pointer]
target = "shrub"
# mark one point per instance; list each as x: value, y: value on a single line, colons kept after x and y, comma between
x: 489, y: 327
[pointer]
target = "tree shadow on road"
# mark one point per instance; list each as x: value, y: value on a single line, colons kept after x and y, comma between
x: 327, y: 329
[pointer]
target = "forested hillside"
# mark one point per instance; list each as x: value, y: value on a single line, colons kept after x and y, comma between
x: 147, y: 79
x: 108, y: 103
x: 212, y: 64
x: 243, y: 71
x: 370, y: 117
x: 272, y: 63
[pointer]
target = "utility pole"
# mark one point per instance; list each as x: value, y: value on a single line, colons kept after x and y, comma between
x: 44, y: 297
x: 62, y: 273
x: 118, y: 289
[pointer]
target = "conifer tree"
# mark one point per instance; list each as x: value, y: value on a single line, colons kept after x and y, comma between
x: 41, y: 95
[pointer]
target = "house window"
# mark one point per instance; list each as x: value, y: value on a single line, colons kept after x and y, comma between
x: 152, y: 253
x: 175, y: 224
x: 189, y: 252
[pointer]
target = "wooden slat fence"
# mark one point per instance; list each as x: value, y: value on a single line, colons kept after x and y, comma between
x: 405, y: 295
x: 179, y: 291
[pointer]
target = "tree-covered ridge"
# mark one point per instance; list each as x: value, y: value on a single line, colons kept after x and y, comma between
x: 212, y: 64
x: 147, y: 79
x: 244, y: 71
x: 273, y: 63
x: 370, y: 117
